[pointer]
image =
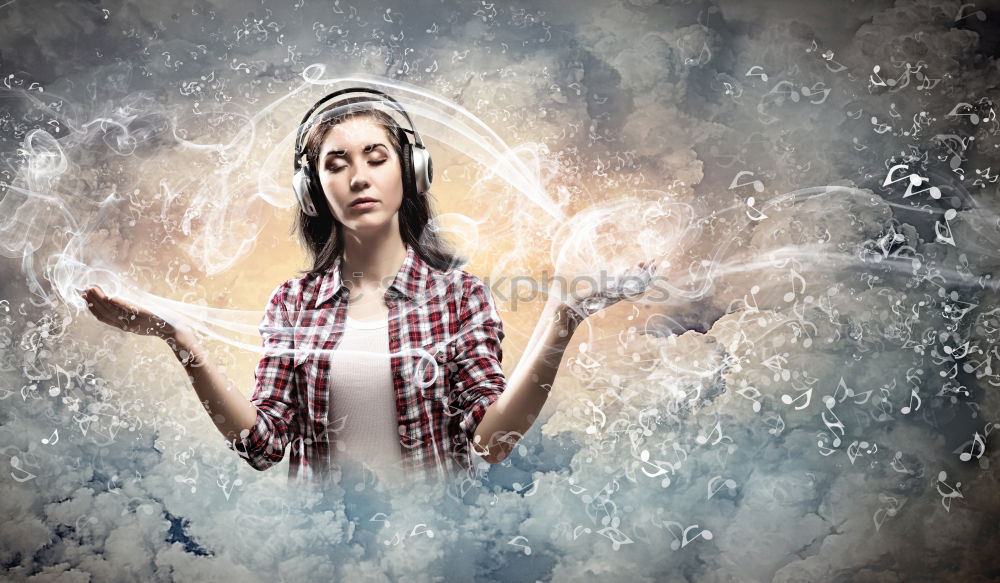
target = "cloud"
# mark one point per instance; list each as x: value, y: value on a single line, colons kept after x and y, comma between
x: 775, y: 447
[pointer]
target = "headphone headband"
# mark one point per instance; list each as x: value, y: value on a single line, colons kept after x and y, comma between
x: 388, y: 100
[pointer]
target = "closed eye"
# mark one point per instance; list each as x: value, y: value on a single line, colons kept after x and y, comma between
x: 336, y: 169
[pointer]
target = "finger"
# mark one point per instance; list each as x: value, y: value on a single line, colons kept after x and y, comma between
x: 117, y: 306
x: 125, y: 314
x: 102, y: 312
x: 113, y: 315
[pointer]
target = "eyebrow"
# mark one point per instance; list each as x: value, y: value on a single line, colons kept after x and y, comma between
x: 343, y: 153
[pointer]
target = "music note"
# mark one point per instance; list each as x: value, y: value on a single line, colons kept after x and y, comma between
x: 880, y: 128
x: 757, y: 184
x: 702, y: 439
x: 395, y: 540
x: 705, y: 533
x: 751, y: 393
x: 429, y: 532
x: 59, y: 373
x: 944, y: 234
x: 703, y: 57
x: 617, y: 537
x: 928, y: 83
x: 854, y: 450
x: 595, y: 411
x: 222, y: 482
x: 875, y: 80
x: 813, y: 91
x: 759, y: 216
x: 795, y: 276
x: 910, y: 408
x: 524, y: 547
x: 979, y: 14
x: 532, y: 488
x: 886, y: 512
x: 713, y: 490
x: 977, y: 440
x: 752, y: 73
x: 778, y: 427
x: 52, y: 439
x: 807, y: 395
x: 84, y: 422
x: 380, y: 517
x: 15, y: 463
x: 365, y: 471
x: 753, y: 294
x: 581, y: 529
x: 191, y: 480
x: 897, y: 464
x: 833, y: 424
x: 961, y: 352
x: 973, y: 117
x: 678, y: 451
x: 953, y: 491
x: 660, y: 470
x: 914, y: 180
x: 838, y: 67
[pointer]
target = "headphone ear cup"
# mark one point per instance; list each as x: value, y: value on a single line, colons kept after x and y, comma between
x: 406, y: 168
x: 316, y: 195
x: 302, y: 185
x: 423, y: 170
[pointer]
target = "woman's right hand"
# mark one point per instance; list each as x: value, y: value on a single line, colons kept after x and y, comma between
x: 130, y: 317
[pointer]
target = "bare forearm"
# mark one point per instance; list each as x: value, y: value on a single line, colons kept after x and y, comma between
x: 511, y: 415
x: 228, y: 408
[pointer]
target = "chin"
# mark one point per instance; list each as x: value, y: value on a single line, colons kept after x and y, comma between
x: 369, y: 223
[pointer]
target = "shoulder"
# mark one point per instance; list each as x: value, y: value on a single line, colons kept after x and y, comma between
x: 457, y: 284
x: 290, y: 294
x: 472, y: 295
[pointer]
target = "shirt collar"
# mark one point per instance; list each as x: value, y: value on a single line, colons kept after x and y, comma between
x: 410, y: 281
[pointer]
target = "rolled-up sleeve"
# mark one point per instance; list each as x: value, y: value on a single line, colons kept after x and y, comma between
x: 276, y: 391
x: 477, y: 378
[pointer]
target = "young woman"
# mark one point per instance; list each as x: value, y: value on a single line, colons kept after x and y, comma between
x: 385, y: 352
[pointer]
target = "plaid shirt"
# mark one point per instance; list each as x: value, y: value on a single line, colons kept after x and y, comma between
x: 444, y: 343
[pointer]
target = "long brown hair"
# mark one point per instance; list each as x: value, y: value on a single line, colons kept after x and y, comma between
x: 323, y: 235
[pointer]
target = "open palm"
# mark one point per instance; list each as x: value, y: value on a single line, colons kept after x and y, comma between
x: 629, y: 284
x: 682, y: 315
x: 127, y: 316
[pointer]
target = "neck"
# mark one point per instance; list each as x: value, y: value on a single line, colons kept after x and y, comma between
x: 376, y: 258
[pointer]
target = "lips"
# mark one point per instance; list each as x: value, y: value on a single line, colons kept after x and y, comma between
x: 362, y: 200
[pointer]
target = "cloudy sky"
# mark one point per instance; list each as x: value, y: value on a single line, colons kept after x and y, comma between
x: 819, y: 180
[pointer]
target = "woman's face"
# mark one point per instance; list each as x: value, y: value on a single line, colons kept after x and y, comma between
x: 357, y: 161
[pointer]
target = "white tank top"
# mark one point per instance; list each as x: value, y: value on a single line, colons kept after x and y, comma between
x: 362, y: 394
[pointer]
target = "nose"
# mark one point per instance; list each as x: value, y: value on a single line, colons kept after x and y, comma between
x: 359, y: 181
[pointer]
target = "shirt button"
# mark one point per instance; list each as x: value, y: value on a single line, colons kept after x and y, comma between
x: 394, y: 338
x: 397, y: 375
x: 402, y: 430
x: 441, y: 357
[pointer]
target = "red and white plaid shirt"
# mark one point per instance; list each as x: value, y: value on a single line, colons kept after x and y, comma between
x: 444, y: 343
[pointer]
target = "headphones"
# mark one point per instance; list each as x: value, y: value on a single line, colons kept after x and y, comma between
x: 415, y: 160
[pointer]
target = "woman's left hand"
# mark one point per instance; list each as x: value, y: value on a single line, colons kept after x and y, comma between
x: 629, y: 285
